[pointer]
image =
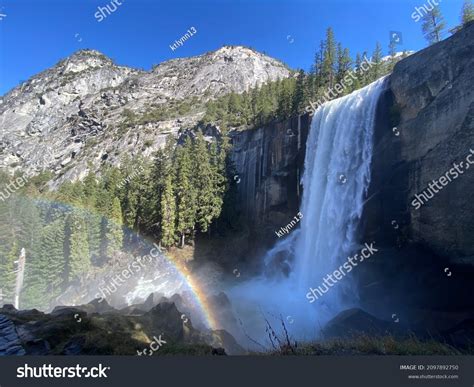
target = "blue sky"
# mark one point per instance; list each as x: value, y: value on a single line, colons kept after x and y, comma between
x: 36, y: 34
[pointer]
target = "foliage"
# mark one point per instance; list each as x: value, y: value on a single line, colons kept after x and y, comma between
x: 433, y: 25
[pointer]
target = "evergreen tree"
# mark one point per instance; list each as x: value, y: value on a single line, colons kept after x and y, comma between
x: 300, y: 97
x: 364, y: 76
x: 114, y: 233
x: 8, y: 256
x: 186, y: 194
x: 161, y: 169
x: 44, y: 275
x: 217, y: 160
x: 392, y: 52
x: 78, y: 247
x: 168, y: 213
x: 344, y: 63
x: 93, y: 219
x: 357, y: 68
x: 392, y: 48
x: 285, y: 99
x: 328, y: 65
x: 433, y: 25
x: 376, y: 71
x: 203, y: 183
x: 467, y: 14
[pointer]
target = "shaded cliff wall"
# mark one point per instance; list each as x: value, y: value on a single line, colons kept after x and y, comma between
x: 430, y: 105
x: 269, y: 162
x: 424, y: 269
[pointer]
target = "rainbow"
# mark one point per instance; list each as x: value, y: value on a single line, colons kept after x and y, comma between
x: 198, y: 292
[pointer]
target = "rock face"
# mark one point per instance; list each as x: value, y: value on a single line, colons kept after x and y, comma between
x: 269, y: 163
x: 231, y: 68
x: 431, y: 104
x: 10, y: 343
x: 87, y: 109
x: 424, y: 125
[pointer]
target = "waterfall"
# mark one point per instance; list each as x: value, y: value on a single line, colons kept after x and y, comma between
x: 335, y: 182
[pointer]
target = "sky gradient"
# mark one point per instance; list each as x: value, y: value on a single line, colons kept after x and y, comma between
x: 36, y: 34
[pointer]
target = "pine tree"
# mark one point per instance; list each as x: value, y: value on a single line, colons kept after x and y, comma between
x: 300, y: 97
x: 8, y: 256
x: 186, y: 194
x: 160, y: 170
x: 364, y: 76
x: 217, y: 160
x: 357, y: 69
x: 328, y: 66
x: 45, y: 274
x: 317, y: 82
x: 78, y: 246
x: 392, y: 52
x: 467, y: 12
x: 344, y: 64
x: 114, y: 233
x: 94, y: 234
x: 93, y: 218
x: 285, y: 98
x: 392, y: 48
x: 376, y: 71
x: 168, y: 213
x: 433, y: 25
x: 204, y: 183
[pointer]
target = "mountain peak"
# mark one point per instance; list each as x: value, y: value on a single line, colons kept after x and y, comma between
x: 84, y: 59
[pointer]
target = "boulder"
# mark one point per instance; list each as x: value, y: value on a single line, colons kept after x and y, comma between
x: 10, y: 343
x: 356, y: 322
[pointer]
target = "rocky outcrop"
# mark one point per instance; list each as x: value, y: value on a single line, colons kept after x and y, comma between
x: 10, y: 343
x: 98, y: 329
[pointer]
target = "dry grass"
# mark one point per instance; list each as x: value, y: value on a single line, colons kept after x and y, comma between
x: 369, y: 345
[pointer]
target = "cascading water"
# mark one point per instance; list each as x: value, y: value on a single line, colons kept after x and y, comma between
x: 335, y: 183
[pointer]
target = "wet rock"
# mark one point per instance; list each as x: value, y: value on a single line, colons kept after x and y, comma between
x: 10, y: 344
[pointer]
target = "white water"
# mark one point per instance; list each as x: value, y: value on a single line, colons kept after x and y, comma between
x: 335, y: 183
